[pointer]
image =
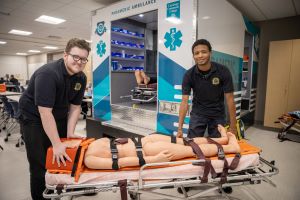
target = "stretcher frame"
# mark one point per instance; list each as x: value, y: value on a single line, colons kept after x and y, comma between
x: 135, y: 188
x: 142, y: 94
x: 288, y: 122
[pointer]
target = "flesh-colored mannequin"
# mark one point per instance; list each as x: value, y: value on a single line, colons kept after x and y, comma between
x: 141, y: 77
x: 156, y: 148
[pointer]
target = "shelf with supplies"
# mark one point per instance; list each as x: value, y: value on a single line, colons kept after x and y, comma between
x: 127, y: 35
x: 127, y: 47
x: 127, y: 59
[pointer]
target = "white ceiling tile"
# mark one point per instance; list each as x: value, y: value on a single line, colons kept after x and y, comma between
x: 66, y: 12
x: 88, y: 4
x: 13, y: 4
x: 248, y: 9
x: 275, y: 8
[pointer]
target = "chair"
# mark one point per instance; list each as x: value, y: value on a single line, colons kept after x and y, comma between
x: 16, y: 117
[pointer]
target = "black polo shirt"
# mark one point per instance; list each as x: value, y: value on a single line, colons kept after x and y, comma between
x: 208, y: 89
x: 51, y: 86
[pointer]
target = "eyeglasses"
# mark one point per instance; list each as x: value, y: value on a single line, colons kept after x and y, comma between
x: 77, y: 58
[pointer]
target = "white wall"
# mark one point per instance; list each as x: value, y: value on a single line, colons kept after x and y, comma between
x: 35, y: 62
x: 16, y: 65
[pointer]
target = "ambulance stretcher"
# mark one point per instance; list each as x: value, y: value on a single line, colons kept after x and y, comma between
x: 151, y: 178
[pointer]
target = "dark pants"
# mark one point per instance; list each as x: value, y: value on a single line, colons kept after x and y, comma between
x: 37, y: 143
x: 198, y: 125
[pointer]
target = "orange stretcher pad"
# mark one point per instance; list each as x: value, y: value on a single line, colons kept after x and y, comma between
x: 78, y: 167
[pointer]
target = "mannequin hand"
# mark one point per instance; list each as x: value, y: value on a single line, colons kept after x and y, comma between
x: 164, y: 156
x: 59, y: 154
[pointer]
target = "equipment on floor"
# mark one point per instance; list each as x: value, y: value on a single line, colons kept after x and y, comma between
x: 291, y: 126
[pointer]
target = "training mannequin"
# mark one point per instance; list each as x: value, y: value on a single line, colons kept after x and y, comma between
x: 142, y: 78
x: 156, y: 148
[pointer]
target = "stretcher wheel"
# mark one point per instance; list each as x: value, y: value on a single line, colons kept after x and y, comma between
x: 281, y: 134
x: 227, y: 190
x: 133, y: 196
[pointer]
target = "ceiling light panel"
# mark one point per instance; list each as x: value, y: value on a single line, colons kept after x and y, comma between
x: 19, y: 32
x: 50, y: 47
x: 49, y: 19
x: 34, y: 51
x: 21, y: 54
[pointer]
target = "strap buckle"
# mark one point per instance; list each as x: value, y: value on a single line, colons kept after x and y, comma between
x: 221, y: 154
x: 114, y: 156
x: 187, y: 140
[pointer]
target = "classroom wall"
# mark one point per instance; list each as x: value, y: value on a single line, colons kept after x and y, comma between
x: 16, y: 65
x: 34, y: 62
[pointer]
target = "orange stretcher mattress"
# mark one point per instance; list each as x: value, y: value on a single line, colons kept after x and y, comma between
x: 249, y: 156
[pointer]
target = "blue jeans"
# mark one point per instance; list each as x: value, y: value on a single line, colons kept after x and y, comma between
x: 198, y: 125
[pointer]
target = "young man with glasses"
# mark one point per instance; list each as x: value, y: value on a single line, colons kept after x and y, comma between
x: 50, y: 108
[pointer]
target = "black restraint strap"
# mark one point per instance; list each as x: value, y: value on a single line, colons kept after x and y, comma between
x: 207, y: 165
x: 139, y: 150
x: 173, y: 139
x: 114, y: 154
x: 123, y: 189
x: 221, y: 153
x: 76, y: 161
x: 221, y: 156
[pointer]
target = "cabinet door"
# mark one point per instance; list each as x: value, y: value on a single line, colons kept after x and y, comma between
x: 278, y: 81
x: 294, y: 84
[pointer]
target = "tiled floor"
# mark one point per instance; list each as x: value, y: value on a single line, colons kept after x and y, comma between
x: 14, y: 173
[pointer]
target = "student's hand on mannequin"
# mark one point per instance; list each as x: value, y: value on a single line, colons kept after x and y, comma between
x: 59, y: 154
x: 233, y: 130
x: 164, y: 156
x: 179, y: 133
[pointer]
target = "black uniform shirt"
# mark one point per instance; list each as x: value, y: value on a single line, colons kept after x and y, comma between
x: 51, y: 86
x: 208, y: 89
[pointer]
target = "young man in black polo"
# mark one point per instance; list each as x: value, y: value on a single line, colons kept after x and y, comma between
x: 210, y: 82
x: 50, y: 108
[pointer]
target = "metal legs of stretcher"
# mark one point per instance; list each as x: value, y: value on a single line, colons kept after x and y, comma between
x: 135, y: 188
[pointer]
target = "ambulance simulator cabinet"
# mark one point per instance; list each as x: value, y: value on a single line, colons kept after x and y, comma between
x: 156, y: 37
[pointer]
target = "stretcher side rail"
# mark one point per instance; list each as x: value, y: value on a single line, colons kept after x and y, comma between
x: 250, y: 175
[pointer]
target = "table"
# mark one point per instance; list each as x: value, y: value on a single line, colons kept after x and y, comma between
x: 14, y: 98
x: 8, y: 93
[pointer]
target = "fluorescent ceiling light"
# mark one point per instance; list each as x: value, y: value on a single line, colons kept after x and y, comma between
x: 34, y: 51
x: 206, y: 17
x: 141, y: 15
x: 50, y: 47
x: 21, y: 54
x: 174, y: 20
x: 3, y: 42
x: 49, y: 20
x: 89, y: 41
x: 19, y: 32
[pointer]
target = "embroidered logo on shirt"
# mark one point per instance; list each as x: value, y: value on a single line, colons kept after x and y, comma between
x: 77, y: 86
x: 215, y: 81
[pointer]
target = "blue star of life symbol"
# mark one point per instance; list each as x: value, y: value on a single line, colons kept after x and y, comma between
x: 173, y: 39
x: 100, y: 28
x: 101, y: 48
